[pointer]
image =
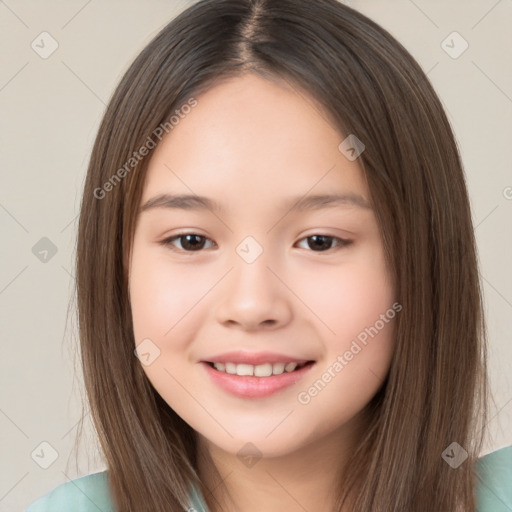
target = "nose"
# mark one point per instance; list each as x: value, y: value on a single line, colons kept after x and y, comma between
x: 254, y: 297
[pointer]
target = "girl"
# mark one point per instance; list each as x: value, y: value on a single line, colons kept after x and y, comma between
x: 277, y: 280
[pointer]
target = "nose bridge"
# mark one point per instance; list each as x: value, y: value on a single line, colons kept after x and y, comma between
x: 253, y: 295
x: 251, y: 276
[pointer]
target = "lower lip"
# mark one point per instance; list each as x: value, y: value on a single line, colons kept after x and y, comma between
x: 255, y: 387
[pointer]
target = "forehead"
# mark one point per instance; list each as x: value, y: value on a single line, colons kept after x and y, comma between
x: 256, y: 138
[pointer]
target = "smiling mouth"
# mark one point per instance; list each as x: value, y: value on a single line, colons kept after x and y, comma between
x: 260, y: 370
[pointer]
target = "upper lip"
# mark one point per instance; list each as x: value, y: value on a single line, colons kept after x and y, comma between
x: 254, y: 358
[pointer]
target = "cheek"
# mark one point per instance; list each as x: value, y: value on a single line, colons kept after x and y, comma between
x: 161, y: 300
x: 349, y: 298
x: 356, y: 360
x: 355, y: 302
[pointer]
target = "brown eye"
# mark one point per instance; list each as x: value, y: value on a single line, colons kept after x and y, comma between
x: 323, y: 243
x: 189, y: 242
x: 192, y: 242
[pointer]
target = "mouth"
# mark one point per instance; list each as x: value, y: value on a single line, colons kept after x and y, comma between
x: 245, y: 380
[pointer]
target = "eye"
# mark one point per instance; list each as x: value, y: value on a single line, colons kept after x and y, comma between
x: 323, y: 243
x: 190, y: 242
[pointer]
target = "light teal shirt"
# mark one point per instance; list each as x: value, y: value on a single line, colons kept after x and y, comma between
x: 90, y: 493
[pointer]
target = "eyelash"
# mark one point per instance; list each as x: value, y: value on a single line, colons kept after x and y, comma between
x: 168, y: 242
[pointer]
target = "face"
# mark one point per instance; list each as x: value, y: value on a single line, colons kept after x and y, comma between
x: 260, y: 278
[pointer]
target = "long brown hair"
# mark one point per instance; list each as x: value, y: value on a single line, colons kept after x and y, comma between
x: 369, y: 85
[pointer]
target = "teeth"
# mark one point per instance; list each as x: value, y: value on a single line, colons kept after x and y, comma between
x: 290, y: 367
x: 277, y: 368
x: 231, y: 368
x: 260, y: 370
x: 220, y: 366
x: 244, y: 369
x: 263, y: 370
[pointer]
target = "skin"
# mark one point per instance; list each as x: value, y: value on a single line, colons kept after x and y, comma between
x: 250, y: 143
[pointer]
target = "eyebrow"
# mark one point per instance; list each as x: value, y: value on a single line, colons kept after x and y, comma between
x: 312, y: 202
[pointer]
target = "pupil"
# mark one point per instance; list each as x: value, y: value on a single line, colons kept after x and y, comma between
x: 190, y: 241
x: 324, y: 242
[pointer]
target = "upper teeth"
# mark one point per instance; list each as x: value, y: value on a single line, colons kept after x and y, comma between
x: 260, y: 370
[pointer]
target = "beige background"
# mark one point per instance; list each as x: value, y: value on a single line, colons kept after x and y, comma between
x: 50, y: 111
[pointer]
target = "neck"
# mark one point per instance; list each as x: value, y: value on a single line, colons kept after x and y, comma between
x: 307, y: 479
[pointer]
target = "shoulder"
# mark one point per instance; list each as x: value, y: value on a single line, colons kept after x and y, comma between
x: 91, y: 493
x: 86, y: 494
x: 494, y: 481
